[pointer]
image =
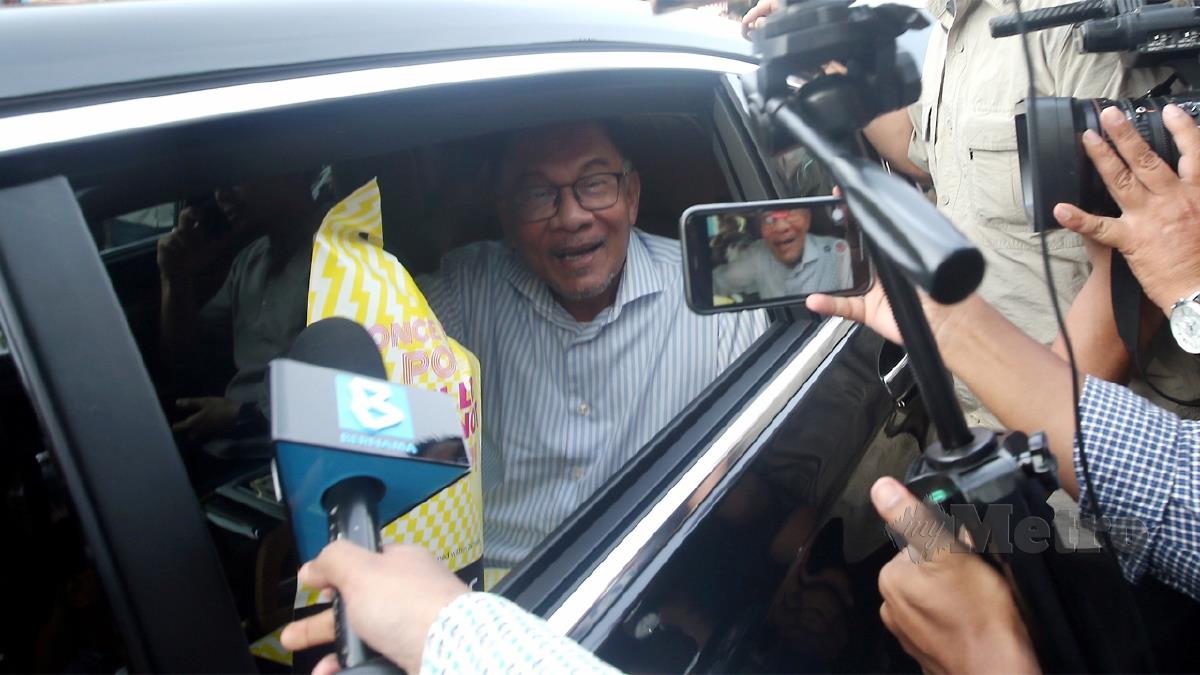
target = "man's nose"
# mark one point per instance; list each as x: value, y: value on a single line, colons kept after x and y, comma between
x: 570, y: 214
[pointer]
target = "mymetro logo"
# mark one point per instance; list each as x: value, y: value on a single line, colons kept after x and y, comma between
x: 373, y: 407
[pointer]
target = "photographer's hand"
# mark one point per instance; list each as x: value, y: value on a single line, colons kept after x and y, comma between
x: 1159, y: 228
x: 949, y: 609
x: 874, y: 311
x: 1021, y: 381
x: 751, y: 20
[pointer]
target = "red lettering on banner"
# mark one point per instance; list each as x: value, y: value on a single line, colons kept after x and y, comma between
x: 400, y: 335
x: 415, y: 363
x: 444, y: 364
x: 379, y: 334
x: 466, y: 404
x: 420, y: 330
x: 465, y: 400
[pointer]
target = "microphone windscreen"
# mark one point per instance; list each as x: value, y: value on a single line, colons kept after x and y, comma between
x: 340, y: 344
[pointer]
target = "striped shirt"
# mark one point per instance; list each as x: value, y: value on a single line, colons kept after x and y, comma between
x: 567, y: 404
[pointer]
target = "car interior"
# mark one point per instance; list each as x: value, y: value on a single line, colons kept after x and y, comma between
x: 430, y: 151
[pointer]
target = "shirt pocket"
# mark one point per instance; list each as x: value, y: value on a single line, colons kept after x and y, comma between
x: 994, y: 174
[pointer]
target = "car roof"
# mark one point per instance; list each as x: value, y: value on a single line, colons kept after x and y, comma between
x: 53, y: 49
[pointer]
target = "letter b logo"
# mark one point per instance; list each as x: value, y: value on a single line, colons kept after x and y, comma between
x: 373, y: 407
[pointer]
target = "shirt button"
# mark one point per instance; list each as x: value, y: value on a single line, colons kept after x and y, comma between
x: 577, y: 473
x: 584, y: 408
x: 945, y: 200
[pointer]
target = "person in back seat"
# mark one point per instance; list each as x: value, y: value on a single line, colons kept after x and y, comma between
x: 579, y: 321
x: 260, y: 308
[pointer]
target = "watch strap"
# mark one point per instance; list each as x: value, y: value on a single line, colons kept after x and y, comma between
x: 1127, y: 299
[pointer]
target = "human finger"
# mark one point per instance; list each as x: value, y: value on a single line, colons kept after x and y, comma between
x: 853, y: 308
x: 887, y: 617
x: 751, y: 19
x: 1126, y: 190
x: 327, y: 665
x: 189, y: 403
x: 335, y: 566
x: 188, y: 218
x: 1112, y: 232
x: 834, y: 68
x: 1146, y: 165
x: 1187, y: 138
x: 188, y: 424
x: 311, y: 631
x: 924, y: 532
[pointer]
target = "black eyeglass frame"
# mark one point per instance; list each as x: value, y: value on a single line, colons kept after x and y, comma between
x: 621, y: 176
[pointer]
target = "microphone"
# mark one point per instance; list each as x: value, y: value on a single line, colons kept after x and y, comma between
x: 353, y: 450
x: 1051, y: 17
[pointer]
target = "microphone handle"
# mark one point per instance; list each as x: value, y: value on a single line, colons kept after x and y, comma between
x: 352, y: 505
x: 1049, y: 17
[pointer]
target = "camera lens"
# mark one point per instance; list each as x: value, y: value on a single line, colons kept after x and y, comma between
x: 1065, y: 172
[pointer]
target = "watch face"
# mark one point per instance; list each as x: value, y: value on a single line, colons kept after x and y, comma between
x: 1185, y: 326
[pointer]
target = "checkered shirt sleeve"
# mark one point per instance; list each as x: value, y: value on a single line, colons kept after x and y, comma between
x: 484, y: 633
x: 1146, y: 472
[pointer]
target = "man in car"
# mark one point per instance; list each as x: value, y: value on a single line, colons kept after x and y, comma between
x: 787, y: 260
x: 579, y: 321
x: 259, y: 309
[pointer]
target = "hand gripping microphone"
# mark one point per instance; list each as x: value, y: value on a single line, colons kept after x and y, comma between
x: 353, y: 450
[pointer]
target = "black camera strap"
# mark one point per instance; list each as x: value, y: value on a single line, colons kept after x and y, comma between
x: 1127, y: 299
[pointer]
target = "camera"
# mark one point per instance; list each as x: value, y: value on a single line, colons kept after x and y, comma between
x: 1148, y: 34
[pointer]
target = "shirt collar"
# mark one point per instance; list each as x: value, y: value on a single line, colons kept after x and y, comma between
x: 810, y: 250
x: 945, y: 11
x: 641, y: 277
x: 638, y: 278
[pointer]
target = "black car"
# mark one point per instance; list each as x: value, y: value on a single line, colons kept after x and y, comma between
x: 739, y: 539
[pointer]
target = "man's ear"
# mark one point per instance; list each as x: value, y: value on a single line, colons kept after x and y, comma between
x: 633, y: 195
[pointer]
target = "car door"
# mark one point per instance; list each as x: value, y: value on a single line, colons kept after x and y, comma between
x: 742, y: 538
x: 77, y: 365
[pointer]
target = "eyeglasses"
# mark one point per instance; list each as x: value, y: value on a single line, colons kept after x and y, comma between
x: 593, y: 192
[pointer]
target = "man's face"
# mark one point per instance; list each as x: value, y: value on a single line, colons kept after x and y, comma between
x: 578, y: 252
x: 260, y: 204
x: 784, y: 233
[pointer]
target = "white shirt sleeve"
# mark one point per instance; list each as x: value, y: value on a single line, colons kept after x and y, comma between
x: 484, y: 633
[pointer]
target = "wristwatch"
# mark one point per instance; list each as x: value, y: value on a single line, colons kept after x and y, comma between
x: 1185, y: 323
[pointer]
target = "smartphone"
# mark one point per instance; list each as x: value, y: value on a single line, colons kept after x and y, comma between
x: 749, y: 255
